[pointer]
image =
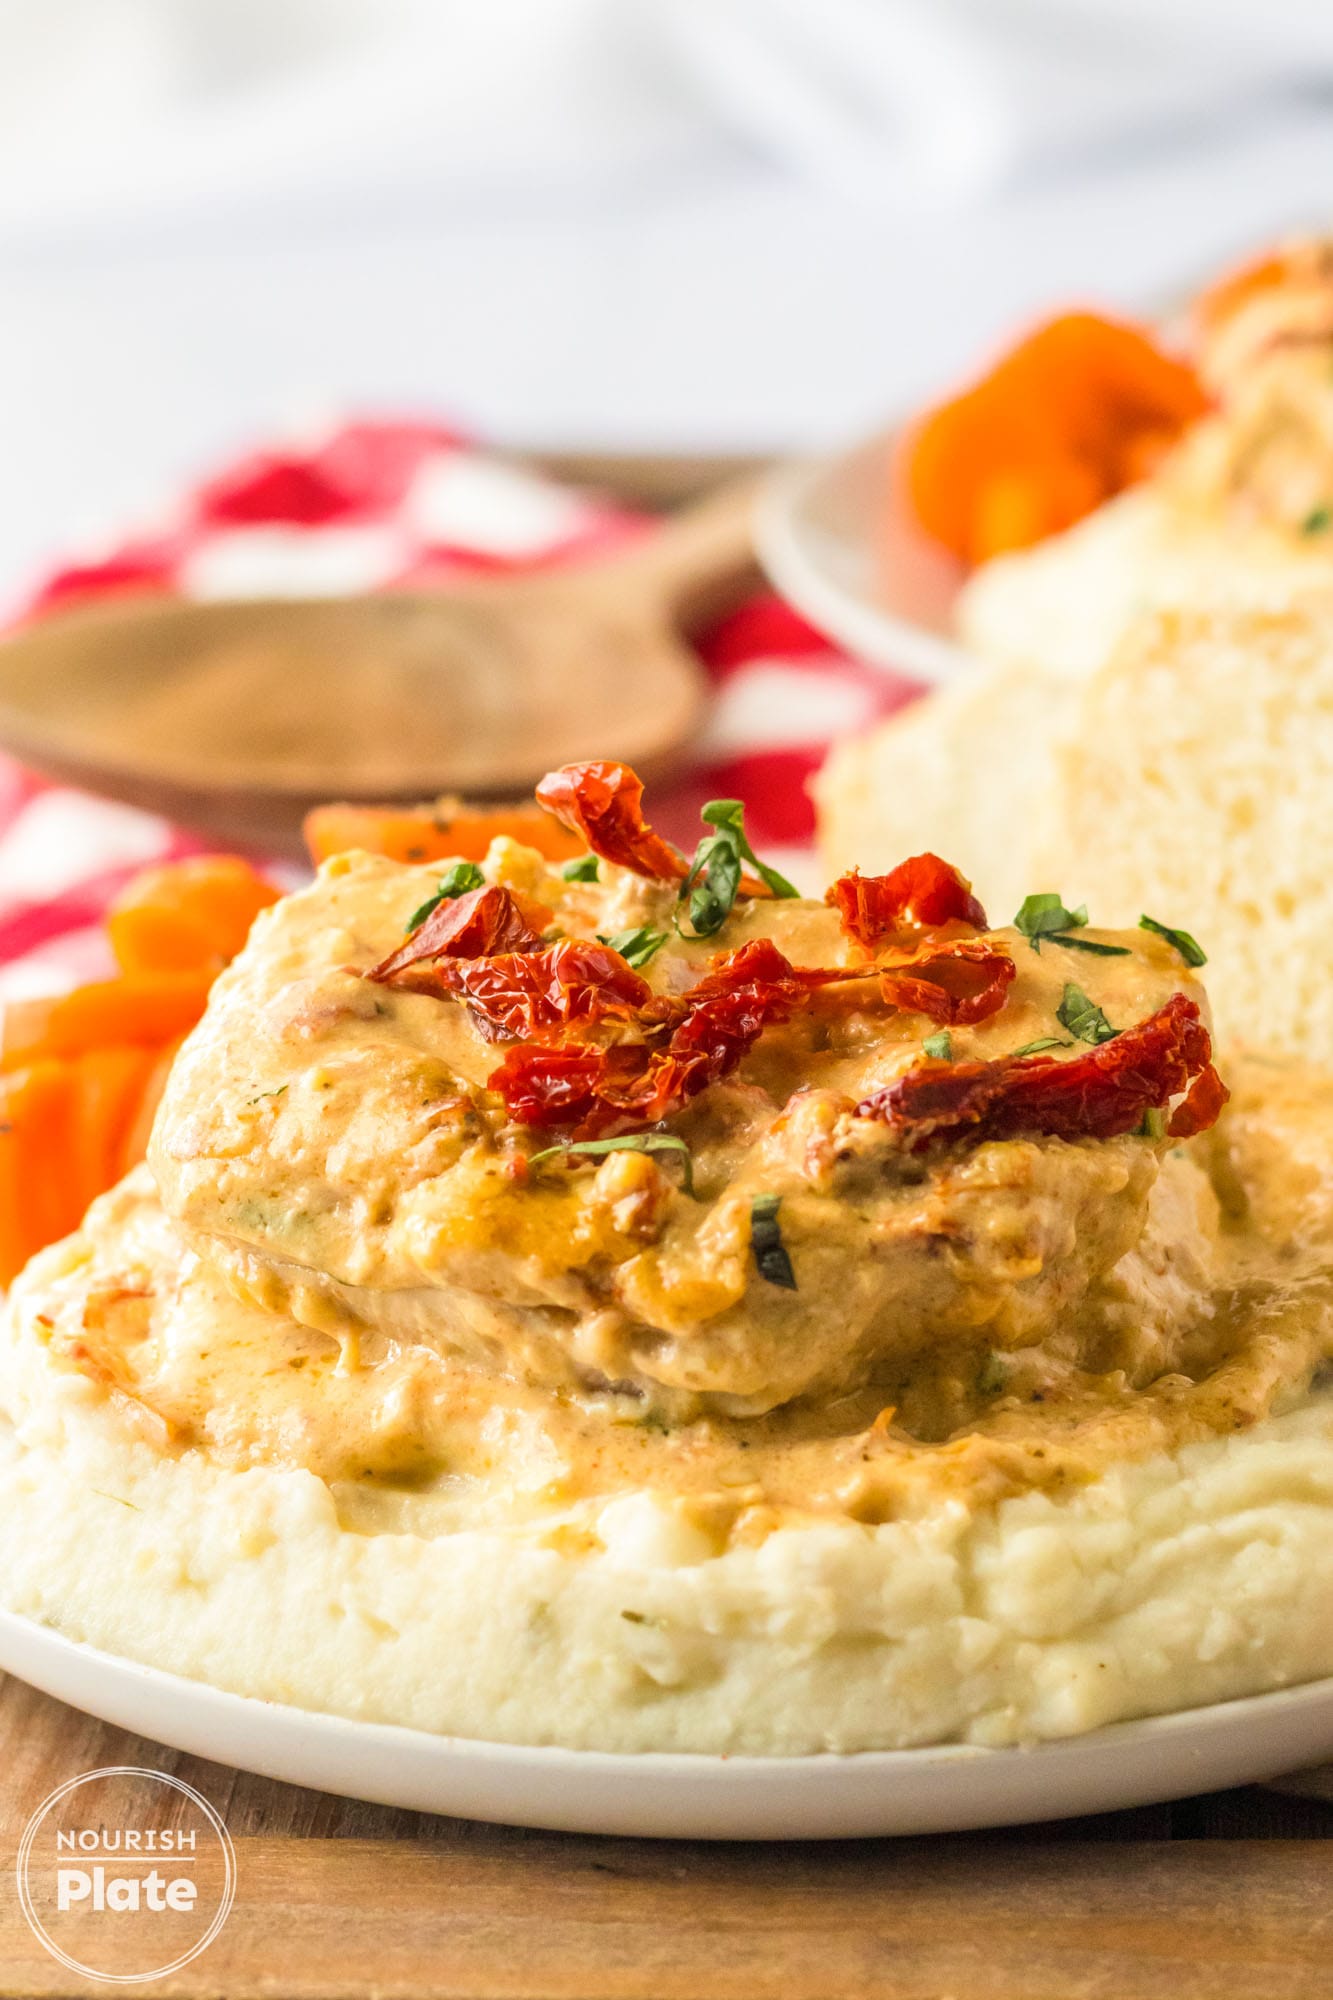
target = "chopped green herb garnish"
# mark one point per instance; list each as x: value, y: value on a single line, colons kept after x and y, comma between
x: 1152, y: 1125
x: 464, y: 875
x: 266, y: 1093
x: 1044, y: 914
x: 728, y: 816
x: 992, y: 1374
x: 423, y: 910
x: 583, y: 868
x: 1188, y: 947
x: 714, y: 879
x: 635, y: 947
x: 1044, y: 919
x: 1318, y: 520
x: 770, y: 1252
x: 1042, y: 1042
x: 711, y: 886
x: 1084, y: 1018
x: 940, y: 1046
x: 629, y: 1142
x: 1089, y: 944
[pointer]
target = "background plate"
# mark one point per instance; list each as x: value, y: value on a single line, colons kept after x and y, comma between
x: 837, y: 545
x: 701, y: 1798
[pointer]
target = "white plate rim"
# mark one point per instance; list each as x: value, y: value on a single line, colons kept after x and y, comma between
x: 856, y: 620
x: 949, y: 1788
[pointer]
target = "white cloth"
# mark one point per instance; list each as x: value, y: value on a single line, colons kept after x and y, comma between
x: 135, y: 111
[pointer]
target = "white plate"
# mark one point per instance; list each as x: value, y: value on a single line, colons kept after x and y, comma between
x: 679, y: 1797
x: 838, y: 545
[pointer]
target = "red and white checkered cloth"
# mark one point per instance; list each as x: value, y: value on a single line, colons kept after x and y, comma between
x: 371, y: 505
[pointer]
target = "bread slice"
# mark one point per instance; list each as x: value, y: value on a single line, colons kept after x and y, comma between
x: 1191, y: 779
x: 968, y: 772
x: 1196, y: 784
x: 1068, y: 603
x: 1064, y: 605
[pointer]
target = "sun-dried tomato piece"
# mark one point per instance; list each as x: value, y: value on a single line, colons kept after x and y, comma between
x: 542, y: 995
x: 477, y: 925
x: 603, y: 804
x: 920, y: 894
x: 696, y: 1039
x: 954, y: 985
x: 753, y: 969
x: 1094, y: 1096
x: 699, y: 1038
x: 720, y: 1020
x: 1201, y: 1108
x: 550, y: 1087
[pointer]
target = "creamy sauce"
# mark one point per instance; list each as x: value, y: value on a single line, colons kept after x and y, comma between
x: 330, y: 1146
x: 377, y: 1295
x: 1248, y: 1329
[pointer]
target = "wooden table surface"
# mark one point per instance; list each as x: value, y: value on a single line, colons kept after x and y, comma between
x: 1224, y: 1896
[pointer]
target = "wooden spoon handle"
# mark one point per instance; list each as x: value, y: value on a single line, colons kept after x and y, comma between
x: 699, y: 564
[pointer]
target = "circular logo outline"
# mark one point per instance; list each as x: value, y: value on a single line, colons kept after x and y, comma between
x: 33, y: 1827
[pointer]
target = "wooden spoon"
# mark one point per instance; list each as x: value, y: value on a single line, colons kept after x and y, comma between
x: 237, y: 717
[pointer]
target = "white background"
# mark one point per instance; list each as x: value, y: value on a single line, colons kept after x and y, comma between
x: 592, y: 223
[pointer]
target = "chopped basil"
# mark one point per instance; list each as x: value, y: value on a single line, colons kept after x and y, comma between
x: 635, y: 947
x: 714, y: 879
x: 1044, y: 914
x: 464, y: 875
x: 1045, y: 919
x: 1089, y: 944
x: 711, y: 886
x: 1042, y: 1042
x: 940, y: 1046
x: 582, y: 869
x: 1084, y: 1018
x: 629, y: 1142
x: 770, y: 1252
x: 992, y: 1374
x: 1318, y: 520
x: 1188, y: 947
x: 420, y: 914
x: 728, y: 816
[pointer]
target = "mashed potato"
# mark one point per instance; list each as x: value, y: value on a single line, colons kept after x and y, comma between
x: 1183, y: 1578
x: 960, y: 1382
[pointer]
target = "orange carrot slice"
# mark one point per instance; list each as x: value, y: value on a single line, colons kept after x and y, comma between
x: 188, y: 915
x: 1064, y: 420
x: 134, y: 1142
x: 442, y: 832
x: 145, y: 1009
x: 40, y: 1192
x: 81, y: 1073
x: 109, y: 1093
